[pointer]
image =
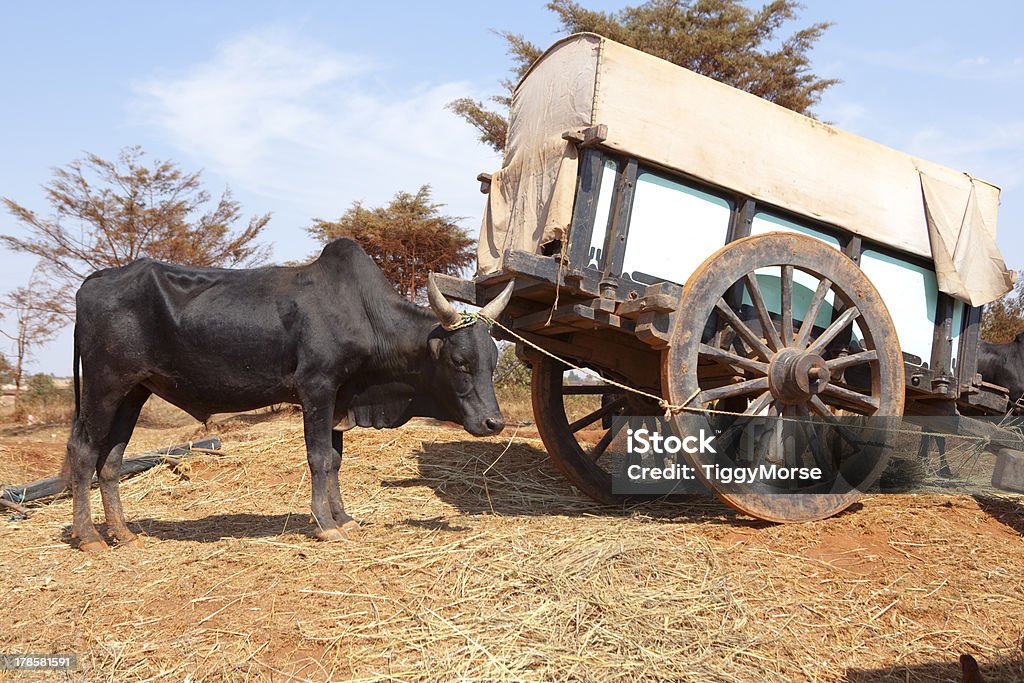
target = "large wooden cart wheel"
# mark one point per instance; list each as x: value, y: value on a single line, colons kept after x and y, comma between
x: 784, y: 325
x: 576, y: 423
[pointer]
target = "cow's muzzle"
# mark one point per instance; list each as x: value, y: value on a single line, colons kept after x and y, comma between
x: 494, y: 424
x: 489, y: 426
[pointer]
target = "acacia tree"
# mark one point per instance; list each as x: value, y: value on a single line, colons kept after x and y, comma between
x: 109, y: 213
x: 409, y: 238
x: 722, y: 39
x: 37, y: 317
x: 1004, y: 317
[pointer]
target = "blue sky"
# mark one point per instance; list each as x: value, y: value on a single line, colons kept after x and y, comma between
x: 302, y: 108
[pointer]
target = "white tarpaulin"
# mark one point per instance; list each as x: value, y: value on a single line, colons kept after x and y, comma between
x: 672, y: 117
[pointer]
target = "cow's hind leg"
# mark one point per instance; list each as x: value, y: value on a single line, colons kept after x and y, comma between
x: 90, y: 433
x: 81, y: 463
x: 342, y: 518
x: 108, y: 466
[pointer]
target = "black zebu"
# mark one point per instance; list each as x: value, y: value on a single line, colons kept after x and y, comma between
x: 332, y: 336
x: 1003, y: 364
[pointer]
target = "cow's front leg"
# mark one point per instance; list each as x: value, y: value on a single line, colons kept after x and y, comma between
x: 317, y: 419
x: 342, y: 518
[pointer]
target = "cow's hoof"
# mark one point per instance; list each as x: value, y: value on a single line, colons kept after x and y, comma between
x: 133, y: 542
x: 93, y: 546
x: 332, y: 534
x: 350, y: 527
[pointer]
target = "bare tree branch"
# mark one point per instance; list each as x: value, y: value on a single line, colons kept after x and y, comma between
x: 108, y: 213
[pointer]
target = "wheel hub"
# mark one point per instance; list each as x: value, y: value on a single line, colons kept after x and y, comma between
x: 795, y: 376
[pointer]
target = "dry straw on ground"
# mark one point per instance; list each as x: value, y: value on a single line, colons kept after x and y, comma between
x: 478, y: 562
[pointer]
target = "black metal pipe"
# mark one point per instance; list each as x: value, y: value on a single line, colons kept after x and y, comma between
x: 52, y: 486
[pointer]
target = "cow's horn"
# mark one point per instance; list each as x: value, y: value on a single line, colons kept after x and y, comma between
x: 497, y: 305
x: 444, y: 311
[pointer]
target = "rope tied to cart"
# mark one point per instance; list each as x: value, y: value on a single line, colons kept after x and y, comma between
x: 664, y: 404
x: 670, y: 409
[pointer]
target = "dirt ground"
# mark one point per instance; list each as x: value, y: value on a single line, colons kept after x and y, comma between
x: 477, y: 561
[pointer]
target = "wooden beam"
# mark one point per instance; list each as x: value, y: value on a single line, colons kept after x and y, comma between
x: 457, y: 289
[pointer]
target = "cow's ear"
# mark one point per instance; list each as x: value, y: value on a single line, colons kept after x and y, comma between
x: 435, y: 344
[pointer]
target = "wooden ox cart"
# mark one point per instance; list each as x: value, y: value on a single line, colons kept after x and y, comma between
x: 716, y: 251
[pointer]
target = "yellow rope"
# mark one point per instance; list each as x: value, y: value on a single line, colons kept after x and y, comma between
x: 562, y: 260
x: 665, y: 405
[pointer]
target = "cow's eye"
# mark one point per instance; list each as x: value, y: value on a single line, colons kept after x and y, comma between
x: 462, y: 367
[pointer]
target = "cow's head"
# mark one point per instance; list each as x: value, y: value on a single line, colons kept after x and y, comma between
x: 464, y: 357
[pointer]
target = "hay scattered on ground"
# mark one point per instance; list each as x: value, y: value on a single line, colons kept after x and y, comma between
x: 478, y: 562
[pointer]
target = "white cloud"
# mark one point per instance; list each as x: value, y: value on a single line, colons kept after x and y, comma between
x: 991, y: 151
x: 975, y: 61
x: 935, y: 58
x: 844, y: 114
x: 316, y: 129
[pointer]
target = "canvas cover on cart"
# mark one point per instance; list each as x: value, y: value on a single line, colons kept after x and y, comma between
x: 672, y: 117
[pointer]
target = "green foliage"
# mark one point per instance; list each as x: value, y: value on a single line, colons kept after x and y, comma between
x: 109, y: 213
x: 510, y: 371
x: 409, y: 238
x: 40, y: 387
x: 45, y: 401
x: 1004, y: 318
x: 493, y: 127
x: 6, y: 371
x: 722, y: 39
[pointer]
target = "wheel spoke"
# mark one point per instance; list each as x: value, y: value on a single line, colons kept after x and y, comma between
x: 730, y: 358
x: 728, y: 391
x: 858, y: 400
x: 759, y: 404
x: 606, y: 441
x: 843, y: 362
x: 743, y: 331
x: 818, y: 406
x: 792, y: 455
x: 593, y: 417
x: 813, y: 440
x: 767, y: 326
x: 812, y: 312
x: 787, y: 305
x: 764, y: 441
x: 789, y: 455
x: 833, y: 330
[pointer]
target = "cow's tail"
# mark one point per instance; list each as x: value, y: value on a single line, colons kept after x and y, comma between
x: 76, y: 359
x: 65, y: 470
